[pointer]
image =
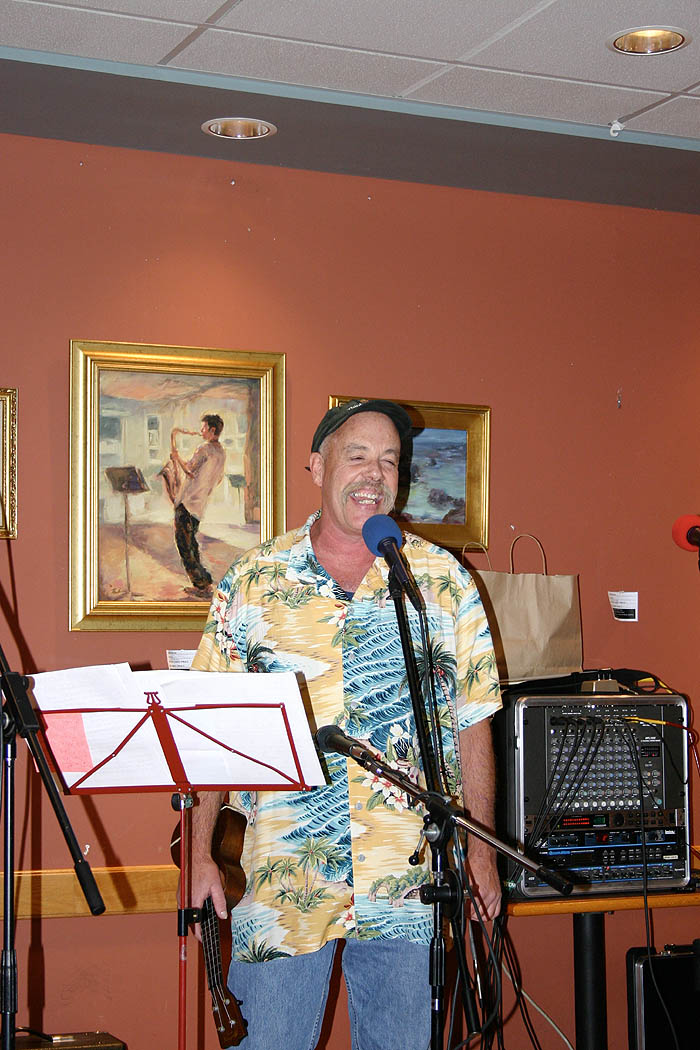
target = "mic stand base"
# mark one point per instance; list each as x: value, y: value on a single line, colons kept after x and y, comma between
x: 445, y: 897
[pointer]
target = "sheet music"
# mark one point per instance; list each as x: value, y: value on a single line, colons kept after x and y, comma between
x: 102, y: 717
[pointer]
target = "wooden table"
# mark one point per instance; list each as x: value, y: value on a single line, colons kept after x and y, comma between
x: 589, y: 950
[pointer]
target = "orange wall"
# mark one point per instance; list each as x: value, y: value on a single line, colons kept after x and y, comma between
x: 542, y: 309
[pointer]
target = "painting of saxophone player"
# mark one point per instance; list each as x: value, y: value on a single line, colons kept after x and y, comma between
x: 201, y: 506
x: 202, y: 430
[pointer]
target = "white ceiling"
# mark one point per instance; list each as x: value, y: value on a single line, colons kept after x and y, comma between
x: 535, y: 65
x: 547, y: 60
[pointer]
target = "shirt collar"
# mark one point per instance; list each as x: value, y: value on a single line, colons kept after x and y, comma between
x: 303, y: 566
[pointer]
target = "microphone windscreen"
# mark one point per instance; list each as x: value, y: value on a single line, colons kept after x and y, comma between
x: 327, y: 737
x: 380, y: 527
x: 681, y: 528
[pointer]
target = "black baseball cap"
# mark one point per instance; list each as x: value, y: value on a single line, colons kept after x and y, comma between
x: 335, y: 417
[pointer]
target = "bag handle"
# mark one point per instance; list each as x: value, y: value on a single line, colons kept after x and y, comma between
x: 529, y: 536
x: 475, y: 543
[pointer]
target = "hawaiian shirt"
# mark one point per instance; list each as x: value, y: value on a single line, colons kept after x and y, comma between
x: 332, y: 862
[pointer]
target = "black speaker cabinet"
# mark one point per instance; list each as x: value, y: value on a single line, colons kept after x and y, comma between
x: 676, y: 971
x: 71, y: 1041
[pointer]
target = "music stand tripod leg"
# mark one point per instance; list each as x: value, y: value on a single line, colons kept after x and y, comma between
x: 9, y: 955
x: 19, y: 717
x: 183, y: 802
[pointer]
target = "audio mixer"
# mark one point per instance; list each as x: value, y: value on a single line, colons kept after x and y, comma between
x: 596, y: 786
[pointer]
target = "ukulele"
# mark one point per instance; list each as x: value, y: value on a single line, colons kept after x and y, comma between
x: 226, y: 849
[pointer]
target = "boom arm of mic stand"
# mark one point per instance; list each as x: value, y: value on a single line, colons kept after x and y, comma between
x: 446, y: 810
x: 20, y: 710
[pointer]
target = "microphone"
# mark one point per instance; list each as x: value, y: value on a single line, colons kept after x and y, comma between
x: 686, y: 533
x: 383, y: 536
x: 332, y: 739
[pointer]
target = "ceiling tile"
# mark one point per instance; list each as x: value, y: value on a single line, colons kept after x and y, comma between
x: 532, y: 96
x: 104, y: 36
x: 165, y: 10
x: 313, y: 65
x: 565, y: 40
x: 402, y: 27
x: 680, y: 116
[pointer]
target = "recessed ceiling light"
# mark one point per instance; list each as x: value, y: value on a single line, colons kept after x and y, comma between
x: 649, y: 40
x: 242, y: 128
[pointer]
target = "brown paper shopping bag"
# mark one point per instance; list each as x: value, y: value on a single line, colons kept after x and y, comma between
x: 535, y: 619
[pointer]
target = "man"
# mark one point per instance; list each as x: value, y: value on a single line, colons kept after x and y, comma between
x: 332, y: 864
x: 202, y: 473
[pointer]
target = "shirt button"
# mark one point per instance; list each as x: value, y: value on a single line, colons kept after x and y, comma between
x: 358, y: 805
x: 361, y: 857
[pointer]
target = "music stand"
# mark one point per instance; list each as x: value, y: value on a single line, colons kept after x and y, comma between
x: 129, y: 481
x: 188, y: 724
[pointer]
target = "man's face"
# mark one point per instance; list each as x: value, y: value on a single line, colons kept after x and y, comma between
x: 207, y: 432
x: 358, y: 473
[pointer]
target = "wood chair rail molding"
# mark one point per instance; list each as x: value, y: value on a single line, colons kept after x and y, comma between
x: 55, y: 892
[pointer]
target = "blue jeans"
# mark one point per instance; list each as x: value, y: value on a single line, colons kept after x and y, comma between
x: 388, y: 996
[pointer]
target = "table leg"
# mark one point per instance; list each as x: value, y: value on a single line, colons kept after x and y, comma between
x: 589, y: 981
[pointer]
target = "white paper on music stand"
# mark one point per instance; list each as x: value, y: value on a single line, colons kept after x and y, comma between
x: 83, y: 729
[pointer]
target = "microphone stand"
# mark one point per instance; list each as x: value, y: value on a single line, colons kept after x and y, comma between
x: 18, y: 716
x: 443, y: 894
x: 441, y: 818
x: 439, y: 823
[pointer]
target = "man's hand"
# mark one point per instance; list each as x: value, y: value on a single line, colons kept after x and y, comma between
x: 485, y: 883
x: 206, y: 882
x: 206, y: 878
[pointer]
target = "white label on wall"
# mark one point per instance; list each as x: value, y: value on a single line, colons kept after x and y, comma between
x: 180, y: 659
x: 624, y: 604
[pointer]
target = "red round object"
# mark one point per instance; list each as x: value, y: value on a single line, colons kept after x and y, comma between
x: 680, y: 529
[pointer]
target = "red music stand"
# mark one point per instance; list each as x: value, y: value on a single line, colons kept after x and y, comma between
x: 190, y: 722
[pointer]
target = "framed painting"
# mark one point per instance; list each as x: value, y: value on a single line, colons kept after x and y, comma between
x: 444, y: 475
x: 177, y: 467
x: 8, y: 463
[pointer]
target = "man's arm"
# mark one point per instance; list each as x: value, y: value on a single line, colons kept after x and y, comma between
x: 479, y: 782
x: 186, y: 465
x: 206, y: 877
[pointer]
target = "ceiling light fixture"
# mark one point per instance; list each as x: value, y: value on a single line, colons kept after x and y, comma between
x: 649, y: 40
x: 240, y: 128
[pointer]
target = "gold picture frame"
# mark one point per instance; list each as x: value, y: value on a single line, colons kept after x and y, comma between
x: 129, y: 403
x: 452, y: 441
x: 8, y: 463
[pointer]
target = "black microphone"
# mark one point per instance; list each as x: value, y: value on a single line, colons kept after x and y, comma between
x: 330, y: 738
x: 383, y: 536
